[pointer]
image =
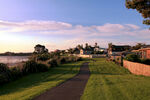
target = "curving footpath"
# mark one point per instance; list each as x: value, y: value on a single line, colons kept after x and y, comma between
x: 69, y: 90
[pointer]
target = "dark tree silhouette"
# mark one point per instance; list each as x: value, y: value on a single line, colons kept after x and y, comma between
x: 138, y: 46
x: 142, y: 6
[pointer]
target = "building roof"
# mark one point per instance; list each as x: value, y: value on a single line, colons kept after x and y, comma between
x: 120, y: 48
x: 146, y: 46
x: 135, y: 51
x: 145, y: 49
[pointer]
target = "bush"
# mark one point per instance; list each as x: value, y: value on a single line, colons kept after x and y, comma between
x: 42, y: 68
x: 79, y: 59
x: 69, y: 59
x: 5, y: 74
x: 33, y: 67
x: 3, y: 68
x: 16, y: 72
x: 133, y: 58
x: 72, y: 59
x: 62, y: 60
x: 146, y: 61
x: 3, y: 79
x: 30, y: 67
x: 43, y: 57
x: 53, y: 63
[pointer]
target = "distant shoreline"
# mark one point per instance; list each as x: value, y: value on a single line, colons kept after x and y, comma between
x: 16, y: 54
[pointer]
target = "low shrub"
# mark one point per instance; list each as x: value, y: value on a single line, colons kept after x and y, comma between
x: 3, y: 79
x: 5, y: 74
x: 29, y: 67
x: 16, y: 72
x: 3, y: 68
x: 42, y: 67
x: 72, y: 59
x: 69, y: 59
x: 136, y: 58
x: 53, y: 63
x: 79, y: 59
x: 145, y: 61
x: 133, y: 58
x: 43, y: 57
x: 63, y: 60
x: 33, y: 67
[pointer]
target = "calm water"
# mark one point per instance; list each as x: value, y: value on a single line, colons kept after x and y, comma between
x: 13, y: 60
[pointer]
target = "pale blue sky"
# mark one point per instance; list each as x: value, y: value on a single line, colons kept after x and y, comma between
x: 85, y: 12
x: 87, y: 21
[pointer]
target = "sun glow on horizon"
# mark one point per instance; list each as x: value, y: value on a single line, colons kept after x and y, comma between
x: 14, y: 43
x: 23, y: 36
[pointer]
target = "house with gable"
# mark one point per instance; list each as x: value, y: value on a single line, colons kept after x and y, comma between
x: 116, y: 50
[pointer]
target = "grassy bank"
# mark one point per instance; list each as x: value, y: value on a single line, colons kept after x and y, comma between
x: 34, y: 84
x: 109, y: 81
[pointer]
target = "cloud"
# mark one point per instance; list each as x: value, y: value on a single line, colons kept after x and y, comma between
x: 62, y: 28
x: 110, y: 28
x: 33, y: 26
x: 78, y: 34
x: 133, y: 26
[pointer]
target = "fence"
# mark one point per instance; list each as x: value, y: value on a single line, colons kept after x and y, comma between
x: 137, y: 68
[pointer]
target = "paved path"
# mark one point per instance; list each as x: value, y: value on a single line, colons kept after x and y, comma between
x: 69, y: 90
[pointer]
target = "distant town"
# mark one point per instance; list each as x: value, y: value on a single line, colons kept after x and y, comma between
x: 141, y: 49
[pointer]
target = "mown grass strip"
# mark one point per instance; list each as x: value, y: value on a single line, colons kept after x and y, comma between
x: 109, y: 81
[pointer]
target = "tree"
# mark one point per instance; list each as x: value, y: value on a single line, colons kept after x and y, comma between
x: 40, y: 49
x: 70, y: 51
x: 86, y: 46
x: 142, y: 6
x: 138, y: 46
x: 79, y: 46
x: 110, y: 45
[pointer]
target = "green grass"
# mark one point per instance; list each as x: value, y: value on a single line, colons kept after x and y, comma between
x: 109, y: 81
x: 32, y: 85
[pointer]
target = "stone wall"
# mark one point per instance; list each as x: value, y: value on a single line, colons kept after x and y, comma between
x: 137, y: 68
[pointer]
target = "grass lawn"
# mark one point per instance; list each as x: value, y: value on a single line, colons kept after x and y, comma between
x: 109, y: 81
x: 32, y: 85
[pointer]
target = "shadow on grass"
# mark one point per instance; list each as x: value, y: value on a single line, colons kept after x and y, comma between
x: 110, y: 73
x: 35, y: 79
x: 108, y: 69
x: 95, y: 72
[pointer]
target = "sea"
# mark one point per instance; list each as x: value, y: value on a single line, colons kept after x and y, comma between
x: 13, y: 60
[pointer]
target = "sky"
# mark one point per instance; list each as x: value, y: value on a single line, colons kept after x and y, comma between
x: 62, y: 24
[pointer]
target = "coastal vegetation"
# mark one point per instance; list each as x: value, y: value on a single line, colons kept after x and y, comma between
x: 37, y: 63
x: 34, y: 84
x: 41, y: 72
